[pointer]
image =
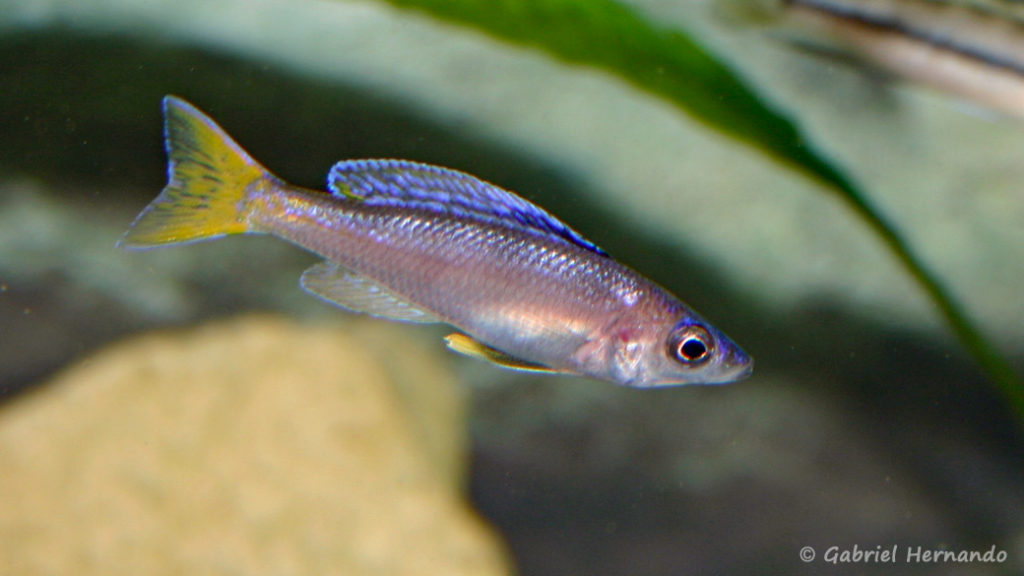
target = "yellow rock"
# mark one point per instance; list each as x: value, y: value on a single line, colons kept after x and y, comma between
x: 255, y: 446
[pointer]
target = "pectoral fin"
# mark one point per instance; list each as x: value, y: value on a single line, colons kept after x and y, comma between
x: 468, y: 347
x: 349, y: 290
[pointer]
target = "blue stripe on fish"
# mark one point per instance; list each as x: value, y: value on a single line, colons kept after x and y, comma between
x: 440, y: 190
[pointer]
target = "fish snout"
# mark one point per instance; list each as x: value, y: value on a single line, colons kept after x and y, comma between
x: 736, y: 365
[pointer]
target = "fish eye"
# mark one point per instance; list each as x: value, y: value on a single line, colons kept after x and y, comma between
x: 690, y: 345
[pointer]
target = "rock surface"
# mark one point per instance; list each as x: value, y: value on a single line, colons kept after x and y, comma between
x: 253, y: 446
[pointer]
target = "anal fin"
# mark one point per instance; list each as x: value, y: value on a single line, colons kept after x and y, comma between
x: 468, y: 347
x: 357, y: 293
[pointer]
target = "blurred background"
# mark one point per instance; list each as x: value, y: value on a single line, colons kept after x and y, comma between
x: 865, y: 423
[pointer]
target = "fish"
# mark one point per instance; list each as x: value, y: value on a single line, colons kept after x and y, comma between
x: 418, y: 243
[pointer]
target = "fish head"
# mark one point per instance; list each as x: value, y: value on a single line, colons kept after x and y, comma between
x: 689, y: 351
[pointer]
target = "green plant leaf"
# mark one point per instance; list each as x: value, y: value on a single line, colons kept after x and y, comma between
x: 608, y: 35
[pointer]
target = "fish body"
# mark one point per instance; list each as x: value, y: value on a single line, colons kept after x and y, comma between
x: 420, y: 243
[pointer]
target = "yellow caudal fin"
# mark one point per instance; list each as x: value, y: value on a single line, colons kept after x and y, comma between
x: 207, y: 177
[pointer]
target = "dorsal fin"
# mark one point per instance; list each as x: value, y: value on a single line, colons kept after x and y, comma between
x: 411, y: 184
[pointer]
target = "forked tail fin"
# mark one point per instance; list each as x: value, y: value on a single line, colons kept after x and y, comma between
x: 207, y: 177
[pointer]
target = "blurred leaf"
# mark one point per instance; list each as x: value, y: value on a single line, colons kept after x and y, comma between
x: 608, y: 35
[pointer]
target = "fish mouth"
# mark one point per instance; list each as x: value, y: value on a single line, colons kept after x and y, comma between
x: 744, y: 371
x: 739, y: 364
x: 735, y: 367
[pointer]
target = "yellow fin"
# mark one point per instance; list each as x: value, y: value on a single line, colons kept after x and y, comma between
x: 208, y: 174
x: 468, y: 347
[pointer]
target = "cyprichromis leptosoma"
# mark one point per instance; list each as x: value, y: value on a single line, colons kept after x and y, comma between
x: 418, y: 243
